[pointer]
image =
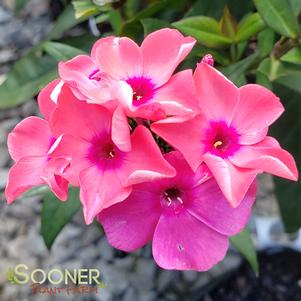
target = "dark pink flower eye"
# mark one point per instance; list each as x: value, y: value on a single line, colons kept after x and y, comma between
x: 143, y: 89
x: 172, y: 199
x: 221, y: 140
x: 95, y: 75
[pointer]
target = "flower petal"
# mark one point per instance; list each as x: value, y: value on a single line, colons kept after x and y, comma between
x: 162, y: 51
x: 182, y: 242
x: 129, y: 225
x: 144, y: 163
x: 46, y: 102
x: 218, y: 96
x: 119, y: 57
x: 121, y: 135
x: 177, y: 96
x: 209, y: 205
x: 30, y: 137
x: 233, y: 181
x: 184, y: 134
x: 267, y: 156
x: 257, y: 109
x: 24, y: 175
x: 78, y: 118
x: 100, y: 189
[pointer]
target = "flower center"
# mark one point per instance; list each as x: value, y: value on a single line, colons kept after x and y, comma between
x: 221, y: 140
x: 143, y: 89
x: 172, y: 199
x: 95, y: 75
x: 103, y: 152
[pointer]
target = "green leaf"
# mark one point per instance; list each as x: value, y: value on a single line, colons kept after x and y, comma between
x: 288, y: 131
x: 56, y: 214
x: 249, y: 27
x: 237, y: 70
x: 293, y: 56
x: 151, y: 24
x: 286, y: 74
x: 244, y: 244
x: 266, y: 41
x: 28, y: 75
x: 228, y: 24
x: 85, y: 8
x: 279, y: 15
x: 116, y: 21
x: 61, y: 52
x: 205, y: 29
x: 210, y: 8
x: 36, y: 191
x: 133, y: 28
x: 296, y: 5
x: 65, y: 21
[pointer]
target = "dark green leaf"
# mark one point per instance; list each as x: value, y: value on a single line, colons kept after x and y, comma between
x: 288, y: 131
x: 266, y: 40
x: 64, y: 22
x: 61, y: 52
x: 249, y: 27
x: 116, y: 21
x: 150, y: 25
x: 211, y: 8
x: 56, y: 214
x: 244, y: 244
x: 237, y: 70
x: 293, y: 56
x: 27, y: 77
x: 206, y: 30
x: 279, y: 15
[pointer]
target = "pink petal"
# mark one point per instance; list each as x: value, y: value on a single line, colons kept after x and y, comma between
x: 162, y: 52
x: 52, y: 176
x: 121, y: 135
x: 74, y: 149
x: 46, y: 104
x: 218, y: 96
x: 210, y: 207
x: 267, y: 156
x: 78, y: 118
x: 257, y: 109
x: 24, y: 175
x: 185, y: 135
x: 100, y: 189
x: 233, y: 181
x: 177, y: 96
x: 31, y: 137
x: 119, y: 57
x: 182, y: 242
x: 129, y: 225
x: 145, y: 162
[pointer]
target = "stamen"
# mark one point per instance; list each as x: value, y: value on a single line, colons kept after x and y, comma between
x: 111, y: 154
x: 180, y: 200
x: 139, y: 97
x: 169, y: 201
x: 217, y: 144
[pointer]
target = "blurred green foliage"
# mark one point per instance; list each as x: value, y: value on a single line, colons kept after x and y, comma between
x: 253, y: 41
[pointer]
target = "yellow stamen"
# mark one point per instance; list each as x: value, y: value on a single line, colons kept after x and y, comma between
x: 217, y: 144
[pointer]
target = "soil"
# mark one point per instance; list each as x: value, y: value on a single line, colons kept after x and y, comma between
x: 279, y: 279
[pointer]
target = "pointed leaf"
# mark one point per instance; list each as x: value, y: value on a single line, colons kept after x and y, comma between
x: 56, y: 214
x: 205, y: 29
x: 249, y: 27
x: 244, y: 244
x: 228, y: 24
x: 279, y: 15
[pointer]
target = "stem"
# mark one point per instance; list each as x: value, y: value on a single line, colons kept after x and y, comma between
x: 284, y: 45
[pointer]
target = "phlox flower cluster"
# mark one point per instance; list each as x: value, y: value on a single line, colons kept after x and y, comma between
x: 159, y: 155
